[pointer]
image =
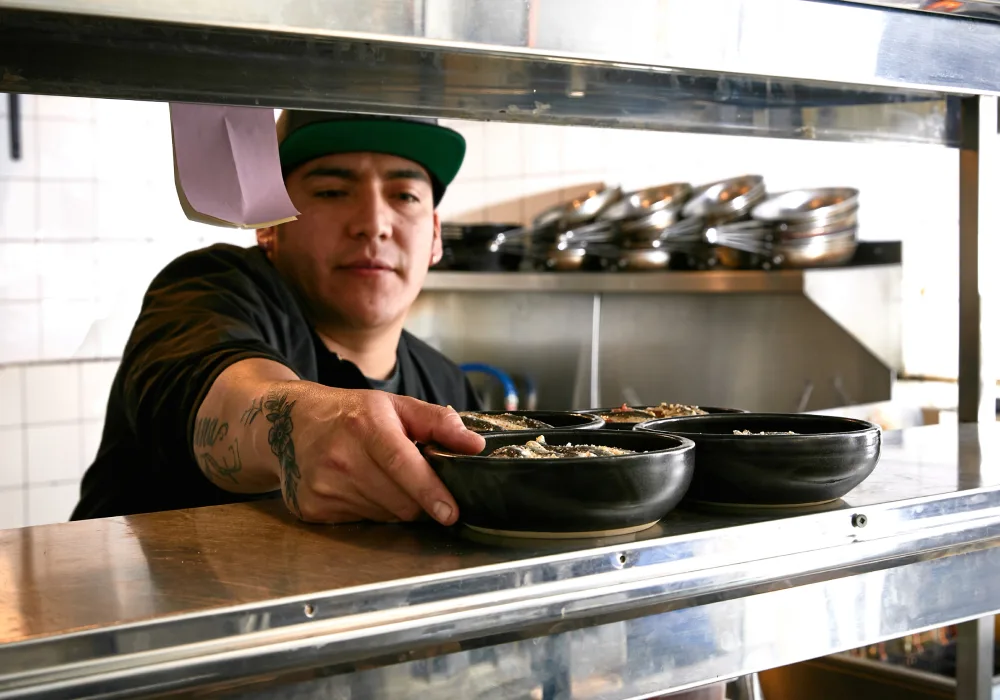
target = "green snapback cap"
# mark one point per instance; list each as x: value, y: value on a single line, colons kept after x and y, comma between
x: 305, y: 135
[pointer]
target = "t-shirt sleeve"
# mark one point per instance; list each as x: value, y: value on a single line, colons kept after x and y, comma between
x: 202, y: 313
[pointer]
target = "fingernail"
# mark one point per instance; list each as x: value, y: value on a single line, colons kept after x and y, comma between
x: 442, y: 512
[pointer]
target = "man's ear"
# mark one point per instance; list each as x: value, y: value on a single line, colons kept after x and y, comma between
x: 436, y: 249
x: 267, y: 239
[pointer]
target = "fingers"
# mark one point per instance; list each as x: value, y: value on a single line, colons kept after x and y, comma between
x: 343, y: 510
x: 402, y: 462
x: 426, y: 422
x: 375, y: 486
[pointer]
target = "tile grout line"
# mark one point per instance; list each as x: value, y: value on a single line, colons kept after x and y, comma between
x: 24, y: 445
x: 41, y: 484
x: 80, y: 403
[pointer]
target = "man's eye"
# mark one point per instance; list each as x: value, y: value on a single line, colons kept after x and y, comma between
x: 330, y: 194
x: 408, y: 197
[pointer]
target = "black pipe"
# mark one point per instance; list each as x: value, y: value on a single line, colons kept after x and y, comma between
x: 14, y: 118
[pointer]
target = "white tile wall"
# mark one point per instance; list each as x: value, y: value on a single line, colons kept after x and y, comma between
x: 11, y: 457
x: 68, y: 210
x: 91, y: 441
x: 21, y: 322
x: 51, y: 503
x: 12, y: 504
x: 55, y: 452
x: 18, y: 209
x: 66, y: 149
x: 52, y: 393
x: 89, y: 215
x: 95, y: 385
x: 19, y: 272
x: 503, y: 152
x: 66, y: 328
x: 11, y: 396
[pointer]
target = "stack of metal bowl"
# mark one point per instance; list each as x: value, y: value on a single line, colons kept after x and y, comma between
x: 800, y: 228
x: 568, y: 235
x: 725, y: 200
x: 645, y: 220
x: 479, y: 247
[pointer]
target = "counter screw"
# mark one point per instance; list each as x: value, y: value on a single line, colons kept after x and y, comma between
x: 309, y: 610
x: 859, y: 520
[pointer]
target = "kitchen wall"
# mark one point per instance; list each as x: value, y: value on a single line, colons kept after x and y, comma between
x: 89, y: 214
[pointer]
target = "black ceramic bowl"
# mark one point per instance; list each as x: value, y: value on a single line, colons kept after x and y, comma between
x: 571, y: 497
x: 611, y: 425
x: 557, y: 419
x: 827, y: 457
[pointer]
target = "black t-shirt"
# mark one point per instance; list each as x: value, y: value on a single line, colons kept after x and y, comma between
x: 206, y: 310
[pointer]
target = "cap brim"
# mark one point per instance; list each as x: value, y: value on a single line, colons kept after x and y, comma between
x: 438, y: 149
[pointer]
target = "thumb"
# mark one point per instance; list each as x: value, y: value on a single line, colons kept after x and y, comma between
x: 442, y: 426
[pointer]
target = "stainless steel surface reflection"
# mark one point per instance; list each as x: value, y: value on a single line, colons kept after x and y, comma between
x: 683, y: 648
x: 719, y: 66
x: 709, y: 597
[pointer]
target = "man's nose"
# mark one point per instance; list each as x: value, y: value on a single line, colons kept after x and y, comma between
x: 372, y: 215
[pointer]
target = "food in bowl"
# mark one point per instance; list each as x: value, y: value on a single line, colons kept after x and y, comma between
x: 500, y: 422
x: 828, y: 457
x: 539, y: 449
x: 567, y: 498
x: 627, y: 414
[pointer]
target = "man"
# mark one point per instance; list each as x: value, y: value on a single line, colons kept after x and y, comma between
x: 285, y: 366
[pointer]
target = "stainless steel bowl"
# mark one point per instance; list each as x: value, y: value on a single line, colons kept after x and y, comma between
x: 652, y: 222
x: 746, y: 249
x: 683, y: 230
x: 782, y: 232
x: 725, y: 200
x: 579, y: 211
x: 548, y: 218
x: 816, y: 251
x: 566, y: 259
x: 816, y: 227
x: 587, y: 207
x: 647, y: 201
x: 644, y: 259
x: 807, y: 204
x: 597, y: 232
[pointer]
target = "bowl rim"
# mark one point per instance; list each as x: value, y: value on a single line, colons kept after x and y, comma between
x: 727, y: 411
x: 862, y: 428
x: 684, y: 444
x: 523, y: 411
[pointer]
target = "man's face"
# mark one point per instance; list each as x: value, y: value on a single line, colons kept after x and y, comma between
x: 367, y: 233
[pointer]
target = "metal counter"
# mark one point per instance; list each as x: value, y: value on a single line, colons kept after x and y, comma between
x: 143, y: 605
x: 245, y: 600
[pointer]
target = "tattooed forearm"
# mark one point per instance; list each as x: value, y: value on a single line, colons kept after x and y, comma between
x: 279, y: 437
x: 256, y: 408
x: 208, y: 431
x: 230, y: 466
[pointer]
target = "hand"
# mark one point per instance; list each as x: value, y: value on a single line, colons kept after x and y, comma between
x: 347, y: 455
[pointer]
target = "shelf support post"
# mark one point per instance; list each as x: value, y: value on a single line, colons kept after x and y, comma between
x: 976, y: 378
x: 976, y: 369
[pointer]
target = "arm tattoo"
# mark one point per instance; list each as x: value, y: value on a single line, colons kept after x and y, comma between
x: 208, y: 431
x: 256, y: 408
x: 229, y: 467
x: 279, y: 437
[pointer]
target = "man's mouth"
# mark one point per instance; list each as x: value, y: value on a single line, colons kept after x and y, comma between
x: 367, y: 266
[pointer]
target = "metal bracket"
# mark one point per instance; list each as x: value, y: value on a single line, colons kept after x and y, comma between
x: 14, y: 119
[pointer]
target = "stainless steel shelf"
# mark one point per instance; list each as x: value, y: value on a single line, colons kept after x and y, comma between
x: 710, y: 68
x: 707, y: 282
